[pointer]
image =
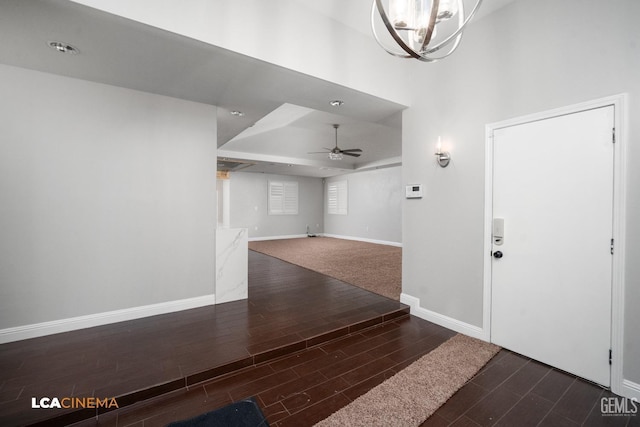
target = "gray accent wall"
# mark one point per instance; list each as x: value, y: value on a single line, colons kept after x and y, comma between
x: 249, y: 206
x: 107, y: 198
x: 528, y: 57
x: 374, y: 207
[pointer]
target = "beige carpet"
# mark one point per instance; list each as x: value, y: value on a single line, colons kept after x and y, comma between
x: 376, y: 268
x: 412, y: 395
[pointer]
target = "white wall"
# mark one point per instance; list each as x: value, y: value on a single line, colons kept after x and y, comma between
x: 107, y: 198
x: 375, y: 206
x: 249, y: 206
x: 528, y: 57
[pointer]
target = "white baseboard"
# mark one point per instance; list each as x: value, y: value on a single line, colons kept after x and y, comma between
x: 65, y: 325
x: 363, y: 239
x: 442, y: 320
x: 292, y: 236
x: 630, y: 390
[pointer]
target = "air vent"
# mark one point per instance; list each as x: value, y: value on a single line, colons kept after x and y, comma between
x: 228, y: 165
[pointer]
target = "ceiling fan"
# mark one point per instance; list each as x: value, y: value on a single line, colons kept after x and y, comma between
x: 336, y: 152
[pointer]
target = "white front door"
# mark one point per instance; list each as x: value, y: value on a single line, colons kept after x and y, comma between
x: 551, y: 287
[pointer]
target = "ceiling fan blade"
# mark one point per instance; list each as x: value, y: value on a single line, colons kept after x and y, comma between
x: 333, y: 152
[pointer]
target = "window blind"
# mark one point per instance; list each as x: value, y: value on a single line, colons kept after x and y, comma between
x: 283, y: 198
x: 337, y: 198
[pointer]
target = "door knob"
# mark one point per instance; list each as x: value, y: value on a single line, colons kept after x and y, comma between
x: 497, y: 254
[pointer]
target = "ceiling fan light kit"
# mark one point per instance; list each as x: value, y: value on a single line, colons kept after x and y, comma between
x: 423, y: 29
x: 336, y: 153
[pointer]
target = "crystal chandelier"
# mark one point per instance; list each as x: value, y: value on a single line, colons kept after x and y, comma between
x: 423, y: 29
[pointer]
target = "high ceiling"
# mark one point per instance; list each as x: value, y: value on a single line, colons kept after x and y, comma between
x: 356, y: 13
x: 286, y: 114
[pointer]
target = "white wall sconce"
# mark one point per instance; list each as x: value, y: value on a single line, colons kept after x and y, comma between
x: 442, y: 157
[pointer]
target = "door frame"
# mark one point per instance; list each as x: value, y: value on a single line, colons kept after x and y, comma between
x: 619, y: 103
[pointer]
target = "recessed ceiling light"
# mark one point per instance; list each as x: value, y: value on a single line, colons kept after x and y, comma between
x: 63, y: 47
x: 336, y: 103
x: 237, y: 113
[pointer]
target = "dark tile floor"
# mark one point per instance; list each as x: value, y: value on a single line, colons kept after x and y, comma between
x: 294, y: 385
x: 306, y: 387
x: 289, y: 309
x: 513, y: 390
x: 302, y: 388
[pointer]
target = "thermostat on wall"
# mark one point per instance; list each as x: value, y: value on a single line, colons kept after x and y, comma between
x: 414, y: 191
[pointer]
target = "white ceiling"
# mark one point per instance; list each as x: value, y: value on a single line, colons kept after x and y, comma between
x: 357, y: 13
x: 286, y: 114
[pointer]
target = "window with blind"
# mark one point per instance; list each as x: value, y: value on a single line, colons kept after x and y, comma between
x: 283, y: 198
x: 337, y: 198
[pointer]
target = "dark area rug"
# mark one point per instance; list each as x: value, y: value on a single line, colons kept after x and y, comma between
x: 245, y: 413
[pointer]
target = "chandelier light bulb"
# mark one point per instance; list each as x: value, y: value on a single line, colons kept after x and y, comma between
x: 447, y: 9
x: 399, y: 13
